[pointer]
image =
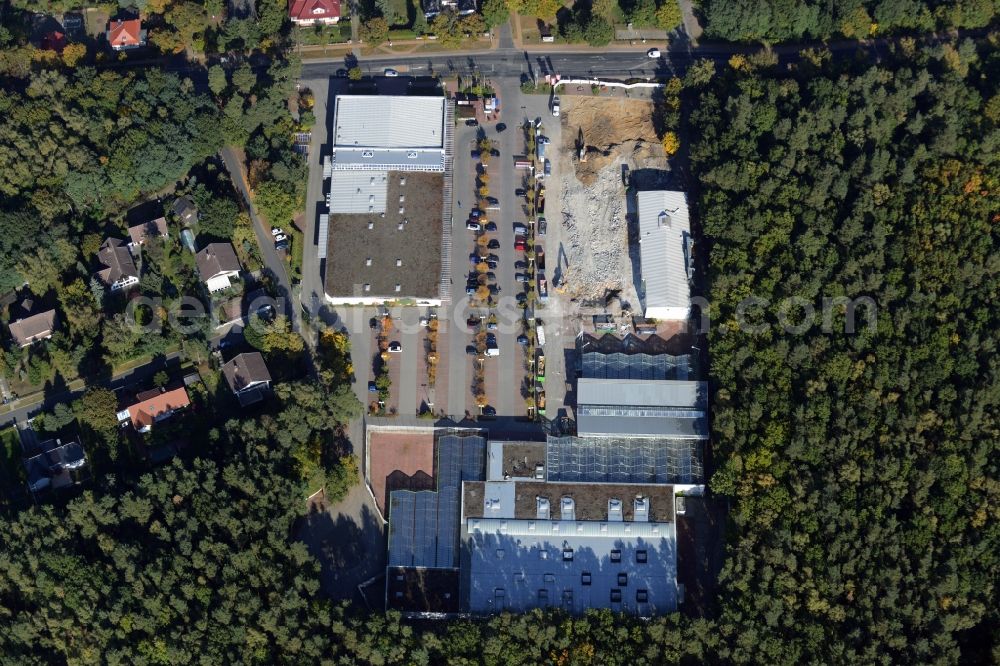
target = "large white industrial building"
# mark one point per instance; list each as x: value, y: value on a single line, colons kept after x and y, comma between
x: 664, y: 254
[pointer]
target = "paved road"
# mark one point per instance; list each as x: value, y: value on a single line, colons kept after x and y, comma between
x: 132, y: 377
x: 274, y: 263
x: 513, y: 63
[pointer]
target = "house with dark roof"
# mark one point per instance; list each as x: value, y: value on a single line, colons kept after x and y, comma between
x: 311, y: 12
x: 33, y: 328
x: 52, y: 464
x: 152, y: 229
x: 119, y: 270
x: 248, y: 377
x: 152, y: 407
x: 125, y: 34
x: 185, y: 210
x: 218, y: 266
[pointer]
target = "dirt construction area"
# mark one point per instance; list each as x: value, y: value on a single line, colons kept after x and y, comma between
x: 612, y: 133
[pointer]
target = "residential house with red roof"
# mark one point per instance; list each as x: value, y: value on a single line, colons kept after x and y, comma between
x: 152, y: 407
x: 311, y: 12
x: 124, y: 35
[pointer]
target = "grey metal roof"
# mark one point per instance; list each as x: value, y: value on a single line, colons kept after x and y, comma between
x: 517, y: 565
x: 642, y: 393
x: 358, y: 192
x: 603, y: 422
x: 389, y: 121
x: 387, y: 159
x: 664, y: 237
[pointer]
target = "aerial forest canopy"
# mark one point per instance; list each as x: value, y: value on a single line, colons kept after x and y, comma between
x: 787, y: 20
x: 861, y: 468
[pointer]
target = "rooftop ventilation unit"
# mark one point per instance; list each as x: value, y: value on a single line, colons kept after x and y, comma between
x: 372, y: 181
x: 368, y: 153
x: 368, y: 287
x: 640, y: 508
x: 615, y: 512
x: 401, y: 210
x: 400, y: 226
x: 412, y: 154
x: 402, y: 181
x: 371, y: 225
x: 368, y: 261
x: 399, y: 287
x: 663, y: 220
x: 399, y: 262
x: 542, y: 508
x: 568, y: 507
x: 402, y: 198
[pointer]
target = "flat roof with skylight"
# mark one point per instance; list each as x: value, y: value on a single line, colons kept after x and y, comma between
x: 571, y: 546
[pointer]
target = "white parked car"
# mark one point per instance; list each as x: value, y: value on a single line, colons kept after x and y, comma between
x: 395, y: 347
x: 472, y: 226
x: 391, y: 72
x: 277, y: 231
x: 653, y: 53
x: 280, y: 237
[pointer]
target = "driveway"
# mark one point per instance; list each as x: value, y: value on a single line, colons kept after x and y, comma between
x: 272, y: 261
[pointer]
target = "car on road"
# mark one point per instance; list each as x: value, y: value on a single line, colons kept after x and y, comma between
x: 490, y: 275
x: 471, y: 350
x: 520, y: 245
x: 543, y: 226
x: 491, y: 340
x: 653, y: 53
x: 521, y: 277
x: 521, y: 297
x: 492, y: 257
x: 280, y: 237
x: 494, y: 244
x: 491, y: 326
x: 395, y: 346
x: 475, y: 258
x: 281, y: 245
x: 472, y: 122
x: 544, y: 140
x: 490, y: 226
x: 520, y: 229
x: 493, y: 201
x: 390, y: 72
x: 489, y: 411
x: 472, y: 322
x: 277, y: 231
x: 373, y: 323
x: 372, y: 388
x: 548, y: 167
x: 520, y: 192
x: 522, y: 339
x: 475, y: 154
x: 475, y: 213
x: 470, y: 290
x: 425, y: 321
x: 555, y: 108
x: 341, y: 73
x: 493, y: 289
x: 501, y: 127
x: 493, y: 265
x: 473, y: 226
x: 494, y: 152
x: 520, y: 264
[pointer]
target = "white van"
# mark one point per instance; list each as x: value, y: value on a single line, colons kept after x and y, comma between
x: 492, y: 351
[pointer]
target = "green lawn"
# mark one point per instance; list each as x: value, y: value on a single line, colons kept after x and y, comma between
x: 11, y: 470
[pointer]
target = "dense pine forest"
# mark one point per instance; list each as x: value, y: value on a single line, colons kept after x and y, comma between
x: 861, y: 468
x: 786, y: 20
